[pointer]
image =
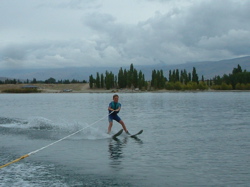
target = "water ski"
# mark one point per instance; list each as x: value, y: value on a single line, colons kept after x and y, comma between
x: 134, y: 135
x: 117, y: 134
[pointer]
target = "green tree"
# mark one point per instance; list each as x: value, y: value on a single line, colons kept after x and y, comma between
x: 121, y: 81
x: 34, y: 81
x: 66, y: 81
x: 125, y: 79
x: 154, y: 79
x: 141, y: 80
x: 237, y: 70
x: 131, y: 75
x: 102, y: 81
x: 177, y: 75
x: 109, y: 80
x: 195, y: 77
x: 184, y: 77
x: 217, y: 80
x: 135, y: 78
x: 174, y: 76
x: 189, y: 77
x: 50, y: 81
x: 129, y: 83
x: 115, y: 82
x: 98, y: 81
x: 202, y: 78
x: 91, y: 81
x: 236, y: 80
x: 162, y: 80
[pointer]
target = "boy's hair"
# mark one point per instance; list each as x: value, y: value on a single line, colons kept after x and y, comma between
x: 115, y: 96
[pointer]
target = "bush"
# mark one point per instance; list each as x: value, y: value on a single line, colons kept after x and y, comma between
x: 215, y: 87
x: 242, y: 86
x: 177, y: 86
x: 238, y: 86
x: 247, y: 86
x: 223, y: 86
x: 202, y: 86
x: 192, y: 86
x: 189, y: 86
x: 169, y: 86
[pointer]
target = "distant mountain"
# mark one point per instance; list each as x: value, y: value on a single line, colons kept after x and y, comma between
x: 208, y: 69
x: 212, y: 68
x: 77, y: 73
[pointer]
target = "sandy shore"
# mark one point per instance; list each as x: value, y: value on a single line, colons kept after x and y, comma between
x: 84, y: 88
x: 59, y: 88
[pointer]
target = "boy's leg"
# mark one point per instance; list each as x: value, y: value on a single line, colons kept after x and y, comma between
x: 110, y: 126
x: 123, y: 125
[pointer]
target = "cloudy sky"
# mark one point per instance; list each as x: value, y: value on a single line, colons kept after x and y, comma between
x: 63, y: 33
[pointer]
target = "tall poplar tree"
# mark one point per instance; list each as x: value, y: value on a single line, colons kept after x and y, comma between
x: 195, y: 77
x: 91, y: 81
x: 102, y: 81
x: 121, y: 78
x: 98, y: 82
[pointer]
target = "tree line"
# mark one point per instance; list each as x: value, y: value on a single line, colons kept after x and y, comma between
x: 237, y: 80
x: 125, y: 79
x: 51, y: 80
x: 133, y: 79
x: 177, y: 80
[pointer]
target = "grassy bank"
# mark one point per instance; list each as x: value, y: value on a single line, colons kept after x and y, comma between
x: 50, y: 88
x: 21, y: 90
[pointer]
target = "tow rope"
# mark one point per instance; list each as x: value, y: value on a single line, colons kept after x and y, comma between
x: 33, y: 152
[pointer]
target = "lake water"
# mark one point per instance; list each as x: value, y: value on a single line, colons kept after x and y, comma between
x: 189, y: 139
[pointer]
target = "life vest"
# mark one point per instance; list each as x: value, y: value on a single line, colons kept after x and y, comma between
x: 115, y: 106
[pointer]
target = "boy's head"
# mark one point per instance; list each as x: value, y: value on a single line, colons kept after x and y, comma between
x: 115, y: 98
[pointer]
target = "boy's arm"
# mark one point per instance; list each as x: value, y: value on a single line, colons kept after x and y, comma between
x: 110, y: 109
x: 119, y: 108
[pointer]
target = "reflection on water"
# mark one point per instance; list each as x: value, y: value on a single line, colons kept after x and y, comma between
x: 138, y: 140
x: 115, y: 149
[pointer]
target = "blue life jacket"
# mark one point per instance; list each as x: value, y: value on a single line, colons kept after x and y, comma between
x: 114, y: 106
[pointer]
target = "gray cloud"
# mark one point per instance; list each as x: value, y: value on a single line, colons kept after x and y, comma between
x: 14, y: 52
x: 77, y: 33
x: 205, y: 31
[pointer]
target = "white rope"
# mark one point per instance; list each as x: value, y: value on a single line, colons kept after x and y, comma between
x: 33, y: 152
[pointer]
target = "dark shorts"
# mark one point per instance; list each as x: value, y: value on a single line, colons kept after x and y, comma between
x: 114, y: 117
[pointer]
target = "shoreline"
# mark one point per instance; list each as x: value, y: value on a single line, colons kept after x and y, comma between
x: 84, y: 88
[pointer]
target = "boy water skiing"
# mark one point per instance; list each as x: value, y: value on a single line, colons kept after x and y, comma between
x: 114, y: 108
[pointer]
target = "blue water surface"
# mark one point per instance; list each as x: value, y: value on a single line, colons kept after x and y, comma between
x: 189, y: 139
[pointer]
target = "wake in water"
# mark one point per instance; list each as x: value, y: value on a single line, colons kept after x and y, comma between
x: 39, y: 127
x: 14, y: 122
x: 27, y: 174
